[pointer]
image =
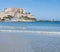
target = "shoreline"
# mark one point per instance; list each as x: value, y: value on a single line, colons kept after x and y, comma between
x: 31, y: 21
x: 37, y: 32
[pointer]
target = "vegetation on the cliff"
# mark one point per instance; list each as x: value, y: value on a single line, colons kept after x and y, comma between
x: 8, y: 17
x: 27, y: 18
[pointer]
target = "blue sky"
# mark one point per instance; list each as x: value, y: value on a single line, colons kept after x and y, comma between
x: 41, y: 9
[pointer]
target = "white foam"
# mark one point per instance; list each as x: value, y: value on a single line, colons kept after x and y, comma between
x: 28, y: 31
x: 12, y: 27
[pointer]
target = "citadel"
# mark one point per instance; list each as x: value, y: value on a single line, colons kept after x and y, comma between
x: 17, y: 14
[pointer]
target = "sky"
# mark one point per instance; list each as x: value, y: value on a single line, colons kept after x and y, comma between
x: 41, y: 9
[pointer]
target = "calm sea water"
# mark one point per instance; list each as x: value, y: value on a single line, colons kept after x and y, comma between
x: 29, y: 36
x: 47, y: 26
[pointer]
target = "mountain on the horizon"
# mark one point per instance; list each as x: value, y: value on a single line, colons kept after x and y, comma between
x: 16, y: 14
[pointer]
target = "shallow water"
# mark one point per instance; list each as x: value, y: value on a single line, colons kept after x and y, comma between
x: 41, y: 26
x: 30, y: 37
x: 29, y: 42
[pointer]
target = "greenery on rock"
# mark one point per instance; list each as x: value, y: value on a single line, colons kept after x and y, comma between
x: 27, y: 18
x: 8, y: 17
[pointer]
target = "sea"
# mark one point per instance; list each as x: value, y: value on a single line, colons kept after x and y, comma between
x: 29, y: 36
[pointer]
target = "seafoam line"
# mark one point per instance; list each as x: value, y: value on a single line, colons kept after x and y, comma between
x: 28, y: 31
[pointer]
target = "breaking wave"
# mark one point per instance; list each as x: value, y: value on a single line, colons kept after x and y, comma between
x: 29, y: 31
x: 11, y: 27
x: 25, y: 30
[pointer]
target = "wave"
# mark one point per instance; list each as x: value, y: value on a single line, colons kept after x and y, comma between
x: 28, y: 31
x: 12, y: 27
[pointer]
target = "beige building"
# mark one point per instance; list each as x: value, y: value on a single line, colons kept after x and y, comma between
x: 12, y: 11
x: 20, y: 10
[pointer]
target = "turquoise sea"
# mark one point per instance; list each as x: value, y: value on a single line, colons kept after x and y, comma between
x: 29, y: 36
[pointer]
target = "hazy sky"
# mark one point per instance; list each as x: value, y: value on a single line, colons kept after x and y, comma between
x: 41, y: 9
